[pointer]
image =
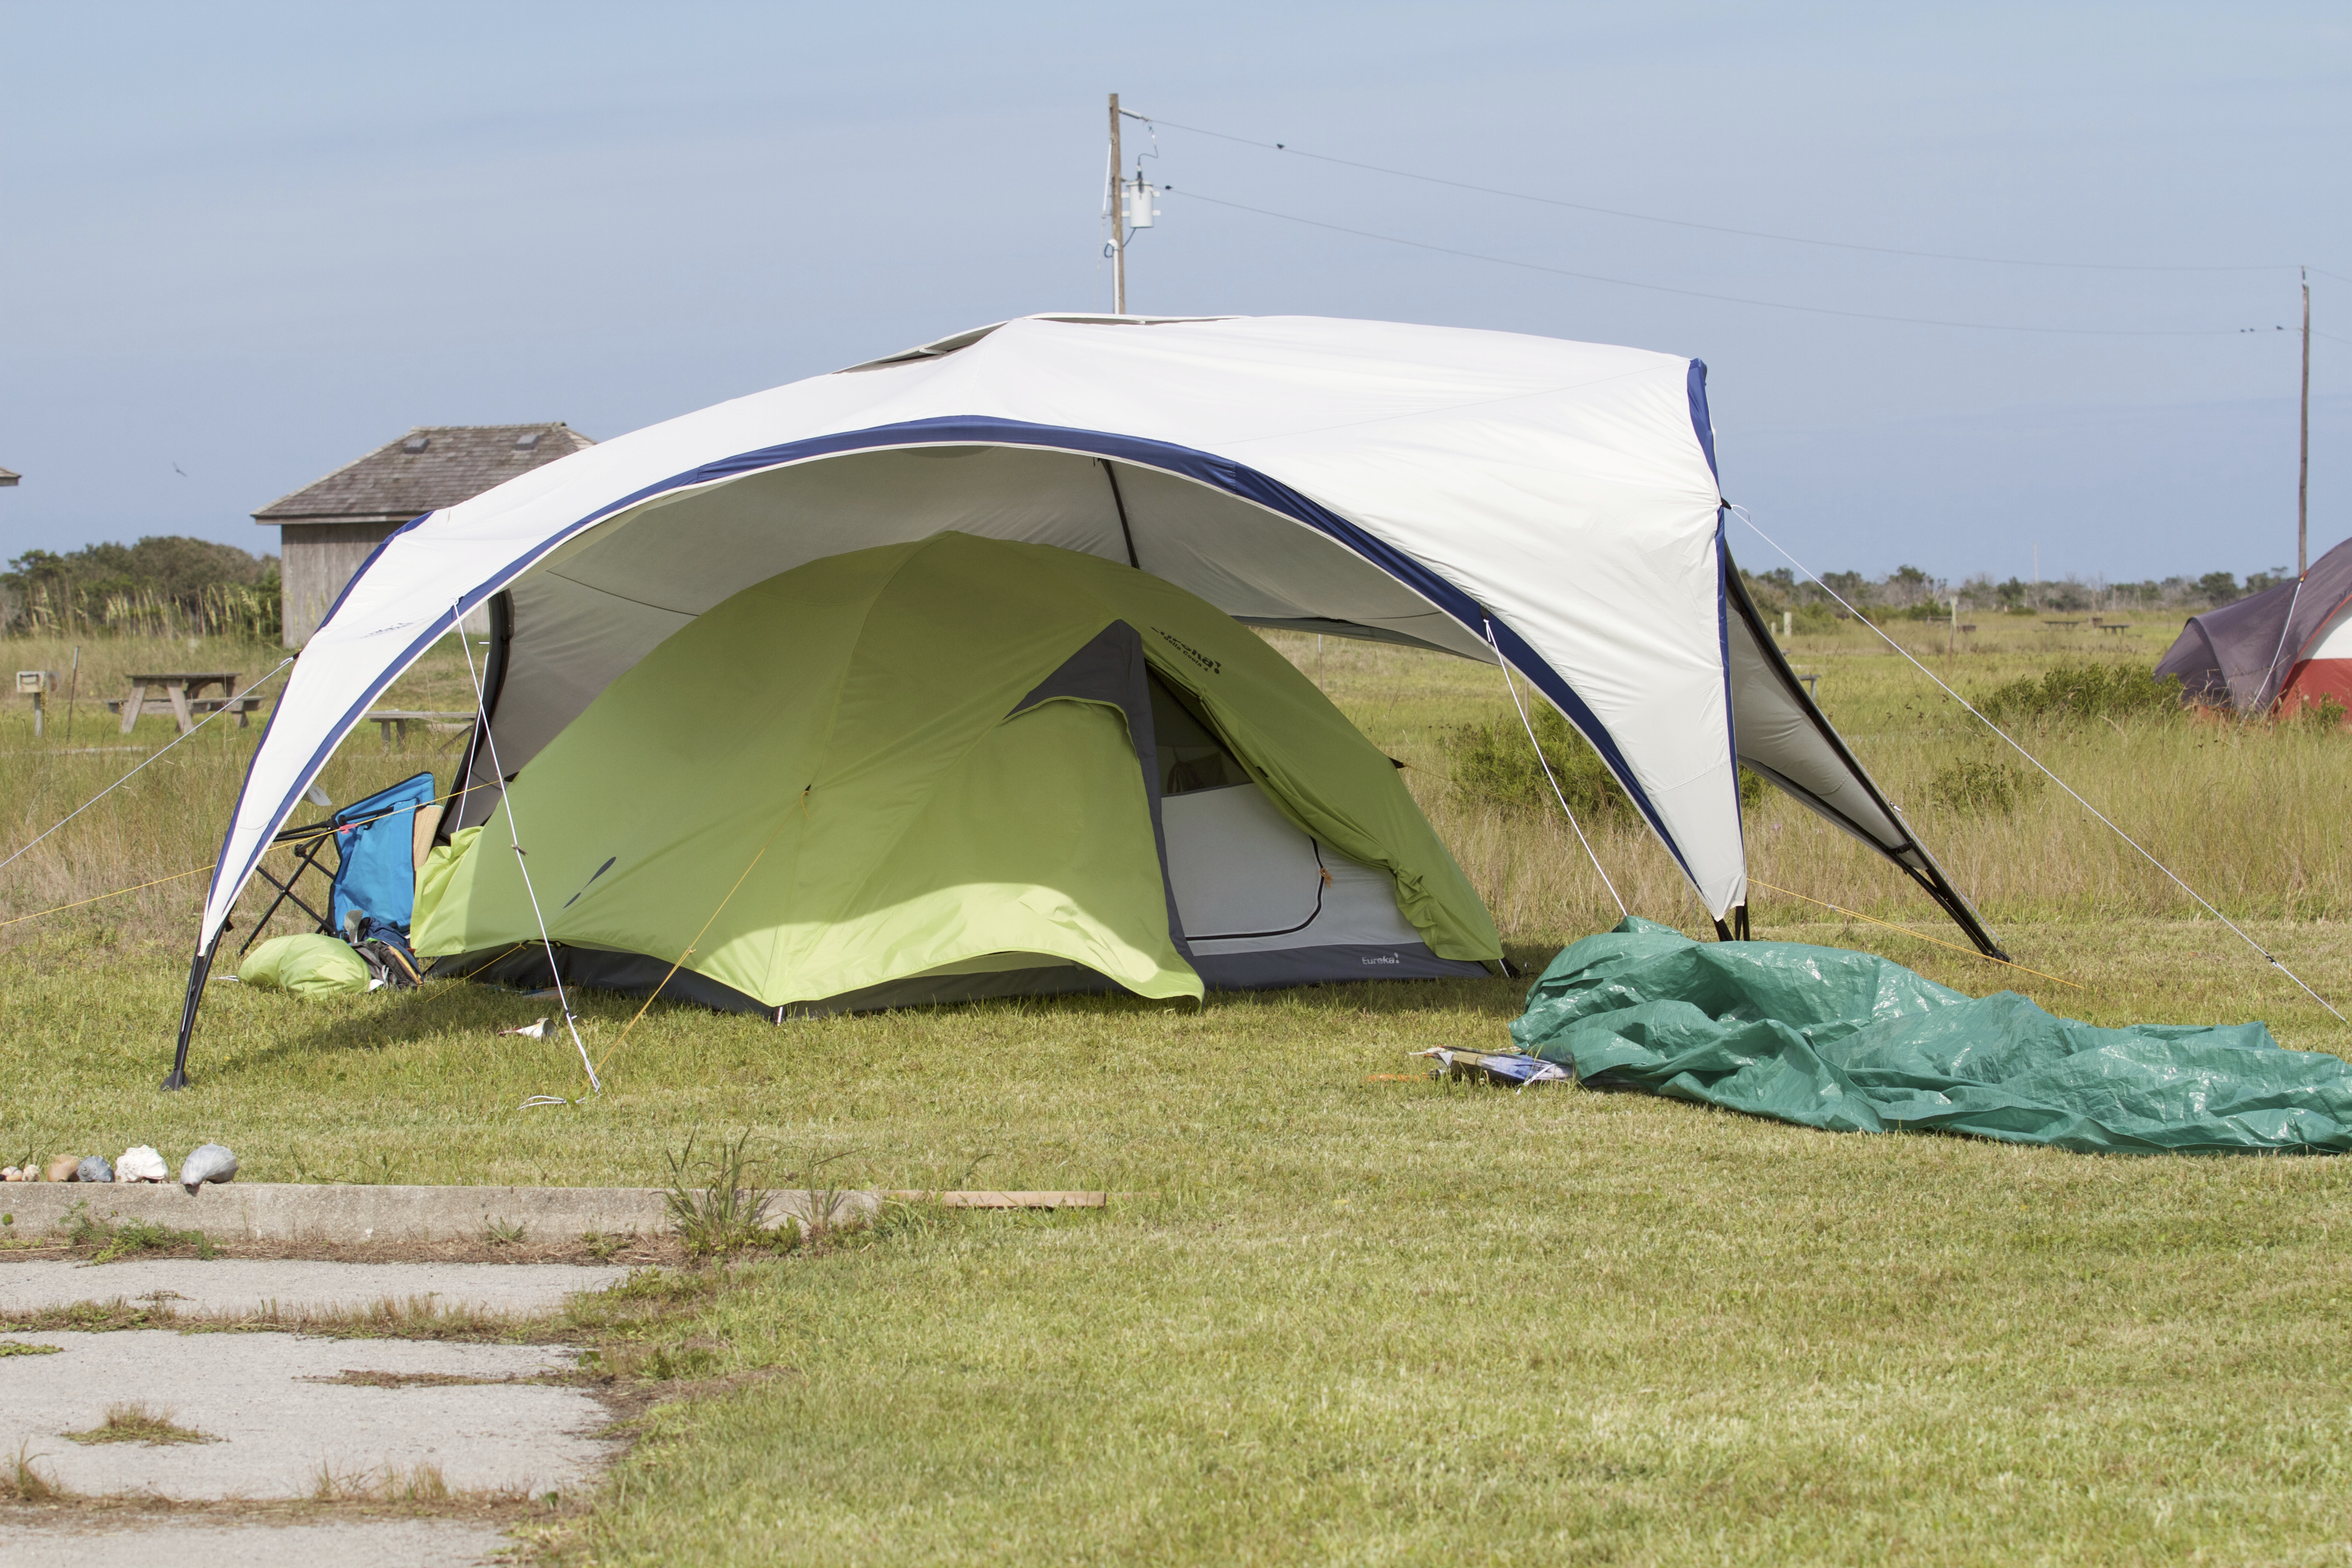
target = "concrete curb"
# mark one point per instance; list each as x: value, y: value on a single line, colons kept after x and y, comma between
x: 291, y: 1211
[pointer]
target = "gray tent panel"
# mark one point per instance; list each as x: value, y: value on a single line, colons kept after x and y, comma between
x: 1783, y: 737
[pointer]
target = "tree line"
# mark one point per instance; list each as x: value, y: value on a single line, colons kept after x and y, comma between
x: 1909, y: 593
x: 165, y: 585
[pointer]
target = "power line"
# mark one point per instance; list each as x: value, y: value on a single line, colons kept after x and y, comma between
x: 1707, y: 227
x: 1701, y: 294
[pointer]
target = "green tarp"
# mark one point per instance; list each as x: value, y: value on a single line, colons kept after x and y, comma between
x: 1850, y: 1042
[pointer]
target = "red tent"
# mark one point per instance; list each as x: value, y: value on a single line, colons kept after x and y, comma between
x: 2286, y: 646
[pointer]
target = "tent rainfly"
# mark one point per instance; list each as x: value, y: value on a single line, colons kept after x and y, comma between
x: 1551, y: 506
x: 2286, y: 646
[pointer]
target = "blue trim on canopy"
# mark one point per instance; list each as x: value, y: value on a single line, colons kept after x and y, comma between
x: 1702, y: 421
x: 345, y: 591
x: 1219, y: 473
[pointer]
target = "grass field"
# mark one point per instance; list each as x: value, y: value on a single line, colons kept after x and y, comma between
x: 1351, y: 1320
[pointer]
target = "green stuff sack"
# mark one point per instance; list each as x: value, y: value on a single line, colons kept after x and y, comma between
x: 314, y: 965
x: 1850, y: 1042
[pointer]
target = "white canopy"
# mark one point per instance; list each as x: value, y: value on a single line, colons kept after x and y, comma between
x: 1470, y: 491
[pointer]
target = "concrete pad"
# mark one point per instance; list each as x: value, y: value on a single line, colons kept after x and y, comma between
x: 167, y: 1542
x: 246, y: 1285
x: 279, y: 1429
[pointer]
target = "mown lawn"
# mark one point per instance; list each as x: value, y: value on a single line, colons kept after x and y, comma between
x: 1342, y: 1318
x: 1347, y: 1319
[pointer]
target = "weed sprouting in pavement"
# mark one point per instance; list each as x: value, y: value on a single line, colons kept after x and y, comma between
x: 23, y: 1483
x: 135, y: 1422
x: 423, y: 1483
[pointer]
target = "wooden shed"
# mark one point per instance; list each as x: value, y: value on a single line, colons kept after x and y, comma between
x: 328, y: 530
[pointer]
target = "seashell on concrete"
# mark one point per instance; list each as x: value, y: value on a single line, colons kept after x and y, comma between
x: 61, y: 1169
x: 140, y: 1162
x: 208, y: 1162
x: 93, y: 1168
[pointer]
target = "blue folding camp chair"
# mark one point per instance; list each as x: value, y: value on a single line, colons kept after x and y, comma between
x: 374, y: 842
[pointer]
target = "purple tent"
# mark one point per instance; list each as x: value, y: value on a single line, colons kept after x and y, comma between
x: 2290, y: 644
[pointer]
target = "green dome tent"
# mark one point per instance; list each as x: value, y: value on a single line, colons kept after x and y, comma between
x: 949, y: 769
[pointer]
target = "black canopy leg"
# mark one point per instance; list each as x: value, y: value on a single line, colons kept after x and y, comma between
x: 198, y: 971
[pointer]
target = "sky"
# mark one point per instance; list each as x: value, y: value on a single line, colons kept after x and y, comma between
x: 243, y: 245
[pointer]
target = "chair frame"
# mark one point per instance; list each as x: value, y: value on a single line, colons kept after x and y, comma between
x: 313, y: 838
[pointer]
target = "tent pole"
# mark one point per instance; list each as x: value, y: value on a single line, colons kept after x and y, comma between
x: 198, y: 971
x: 1119, y: 502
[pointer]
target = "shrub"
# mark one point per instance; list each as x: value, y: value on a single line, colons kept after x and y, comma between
x: 1493, y: 763
x: 2327, y: 714
x: 2086, y: 691
x: 1984, y: 786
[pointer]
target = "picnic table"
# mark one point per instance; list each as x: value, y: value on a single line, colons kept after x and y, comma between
x: 2070, y: 626
x: 2115, y: 625
x: 395, y: 721
x: 1812, y: 685
x: 180, y: 697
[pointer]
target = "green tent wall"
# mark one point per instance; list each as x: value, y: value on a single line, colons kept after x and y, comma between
x: 911, y: 773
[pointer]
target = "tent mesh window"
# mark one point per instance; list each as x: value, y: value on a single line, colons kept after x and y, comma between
x: 1191, y: 756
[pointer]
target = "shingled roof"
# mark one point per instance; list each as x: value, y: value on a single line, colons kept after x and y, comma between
x: 8, y: 476
x: 432, y: 466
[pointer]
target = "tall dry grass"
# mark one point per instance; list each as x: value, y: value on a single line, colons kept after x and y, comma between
x: 170, y: 818
x: 2249, y: 814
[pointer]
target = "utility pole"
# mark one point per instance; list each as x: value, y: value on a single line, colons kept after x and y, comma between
x: 2303, y: 474
x: 1119, y: 232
